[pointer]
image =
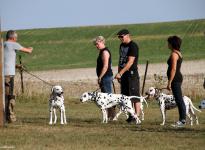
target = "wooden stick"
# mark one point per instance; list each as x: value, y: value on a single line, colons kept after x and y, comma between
x: 145, y: 75
x: 21, y: 74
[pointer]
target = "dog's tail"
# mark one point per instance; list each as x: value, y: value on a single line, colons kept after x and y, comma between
x: 142, y: 99
x: 190, y: 102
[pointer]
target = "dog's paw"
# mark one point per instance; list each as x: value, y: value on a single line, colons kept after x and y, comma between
x: 114, y: 119
x: 138, y: 122
x: 50, y: 123
x: 162, y: 124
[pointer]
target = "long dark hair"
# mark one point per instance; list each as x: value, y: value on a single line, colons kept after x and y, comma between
x: 175, y: 42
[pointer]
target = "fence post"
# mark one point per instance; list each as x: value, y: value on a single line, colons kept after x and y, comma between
x: 145, y: 75
x: 2, y: 95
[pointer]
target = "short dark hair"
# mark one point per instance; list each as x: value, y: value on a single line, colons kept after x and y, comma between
x: 10, y: 34
x: 175, y: 42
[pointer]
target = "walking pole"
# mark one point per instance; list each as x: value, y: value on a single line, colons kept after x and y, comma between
x: 145, y: 75
x: 21, y: 74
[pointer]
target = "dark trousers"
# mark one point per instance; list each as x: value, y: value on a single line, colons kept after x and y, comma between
x: 130, y: 84
x: 177, y: 92
x: 9, y: 99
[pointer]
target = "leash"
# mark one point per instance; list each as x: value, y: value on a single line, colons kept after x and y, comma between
x: 23, y: 69
x: 97, y: 89
x: 166, y: 89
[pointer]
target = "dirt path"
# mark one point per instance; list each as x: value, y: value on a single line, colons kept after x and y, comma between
x: 77, y: 81
x: 188, y: 68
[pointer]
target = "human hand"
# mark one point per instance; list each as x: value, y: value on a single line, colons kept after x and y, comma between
x: 169, y: 86
x: 118, y: 76
x: 20, y: 67
x: 99, y: 81
x: 31, y: 49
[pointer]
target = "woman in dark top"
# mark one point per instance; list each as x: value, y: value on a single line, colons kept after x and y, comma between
x: 104, y: 70
x: 175, y: 77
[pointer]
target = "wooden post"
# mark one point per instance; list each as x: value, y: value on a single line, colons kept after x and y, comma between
x: 145, y: 75
x: 21, y: 74
x: 2, y: 95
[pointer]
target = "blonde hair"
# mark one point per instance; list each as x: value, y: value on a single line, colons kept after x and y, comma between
x: 99, y: 39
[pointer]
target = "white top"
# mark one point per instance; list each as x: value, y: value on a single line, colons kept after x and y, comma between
x: 10, y: 49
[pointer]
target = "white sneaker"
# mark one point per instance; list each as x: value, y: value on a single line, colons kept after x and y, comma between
x: 178, y: 124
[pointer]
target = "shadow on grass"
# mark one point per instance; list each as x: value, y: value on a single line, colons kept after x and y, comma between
x: 121, y: 124
x: 158, y: 128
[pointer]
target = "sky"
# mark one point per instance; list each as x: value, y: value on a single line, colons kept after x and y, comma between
x: 32, y: 14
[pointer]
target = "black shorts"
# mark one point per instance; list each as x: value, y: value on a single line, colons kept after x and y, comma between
x: 130, y: 84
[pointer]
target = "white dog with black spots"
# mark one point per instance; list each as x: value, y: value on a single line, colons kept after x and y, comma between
x: 105, y: 100
x: 167, y: 102
x: 56, y: 101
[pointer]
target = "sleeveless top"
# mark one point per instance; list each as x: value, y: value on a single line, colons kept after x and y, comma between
x: 100, y: 64
x: 178, y: 75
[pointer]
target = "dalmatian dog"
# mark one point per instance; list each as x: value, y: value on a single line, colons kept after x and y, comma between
x: 57, y: 102
x: 105, y: 100
x: 167, y: 102
x: 122, y: 110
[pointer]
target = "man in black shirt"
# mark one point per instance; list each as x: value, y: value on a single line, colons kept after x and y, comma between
x: 128, y: 75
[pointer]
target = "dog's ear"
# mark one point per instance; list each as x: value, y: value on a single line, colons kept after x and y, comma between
x: 52, y: 89
x: 157, y: 91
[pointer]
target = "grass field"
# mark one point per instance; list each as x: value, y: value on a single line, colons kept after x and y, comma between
x: 85, y: 131
x: 61, y: 48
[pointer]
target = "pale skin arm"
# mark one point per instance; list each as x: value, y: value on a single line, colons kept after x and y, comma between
x: 174, y: 58
x: 105, y: 59
x: 126, y: 68
x: 27, y: 50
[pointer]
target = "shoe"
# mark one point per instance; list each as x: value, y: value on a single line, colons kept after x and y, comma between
x: 179, y: 124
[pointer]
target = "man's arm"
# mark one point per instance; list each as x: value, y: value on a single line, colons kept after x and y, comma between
x: 27, y: 50
x: 131, y: 60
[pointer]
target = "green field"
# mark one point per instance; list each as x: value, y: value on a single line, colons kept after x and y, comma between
x: 85, y: 131
x: 61, y: 48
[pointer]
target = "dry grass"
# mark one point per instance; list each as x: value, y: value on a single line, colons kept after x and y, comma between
x: 192, y: 86
x: 84, y: 129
